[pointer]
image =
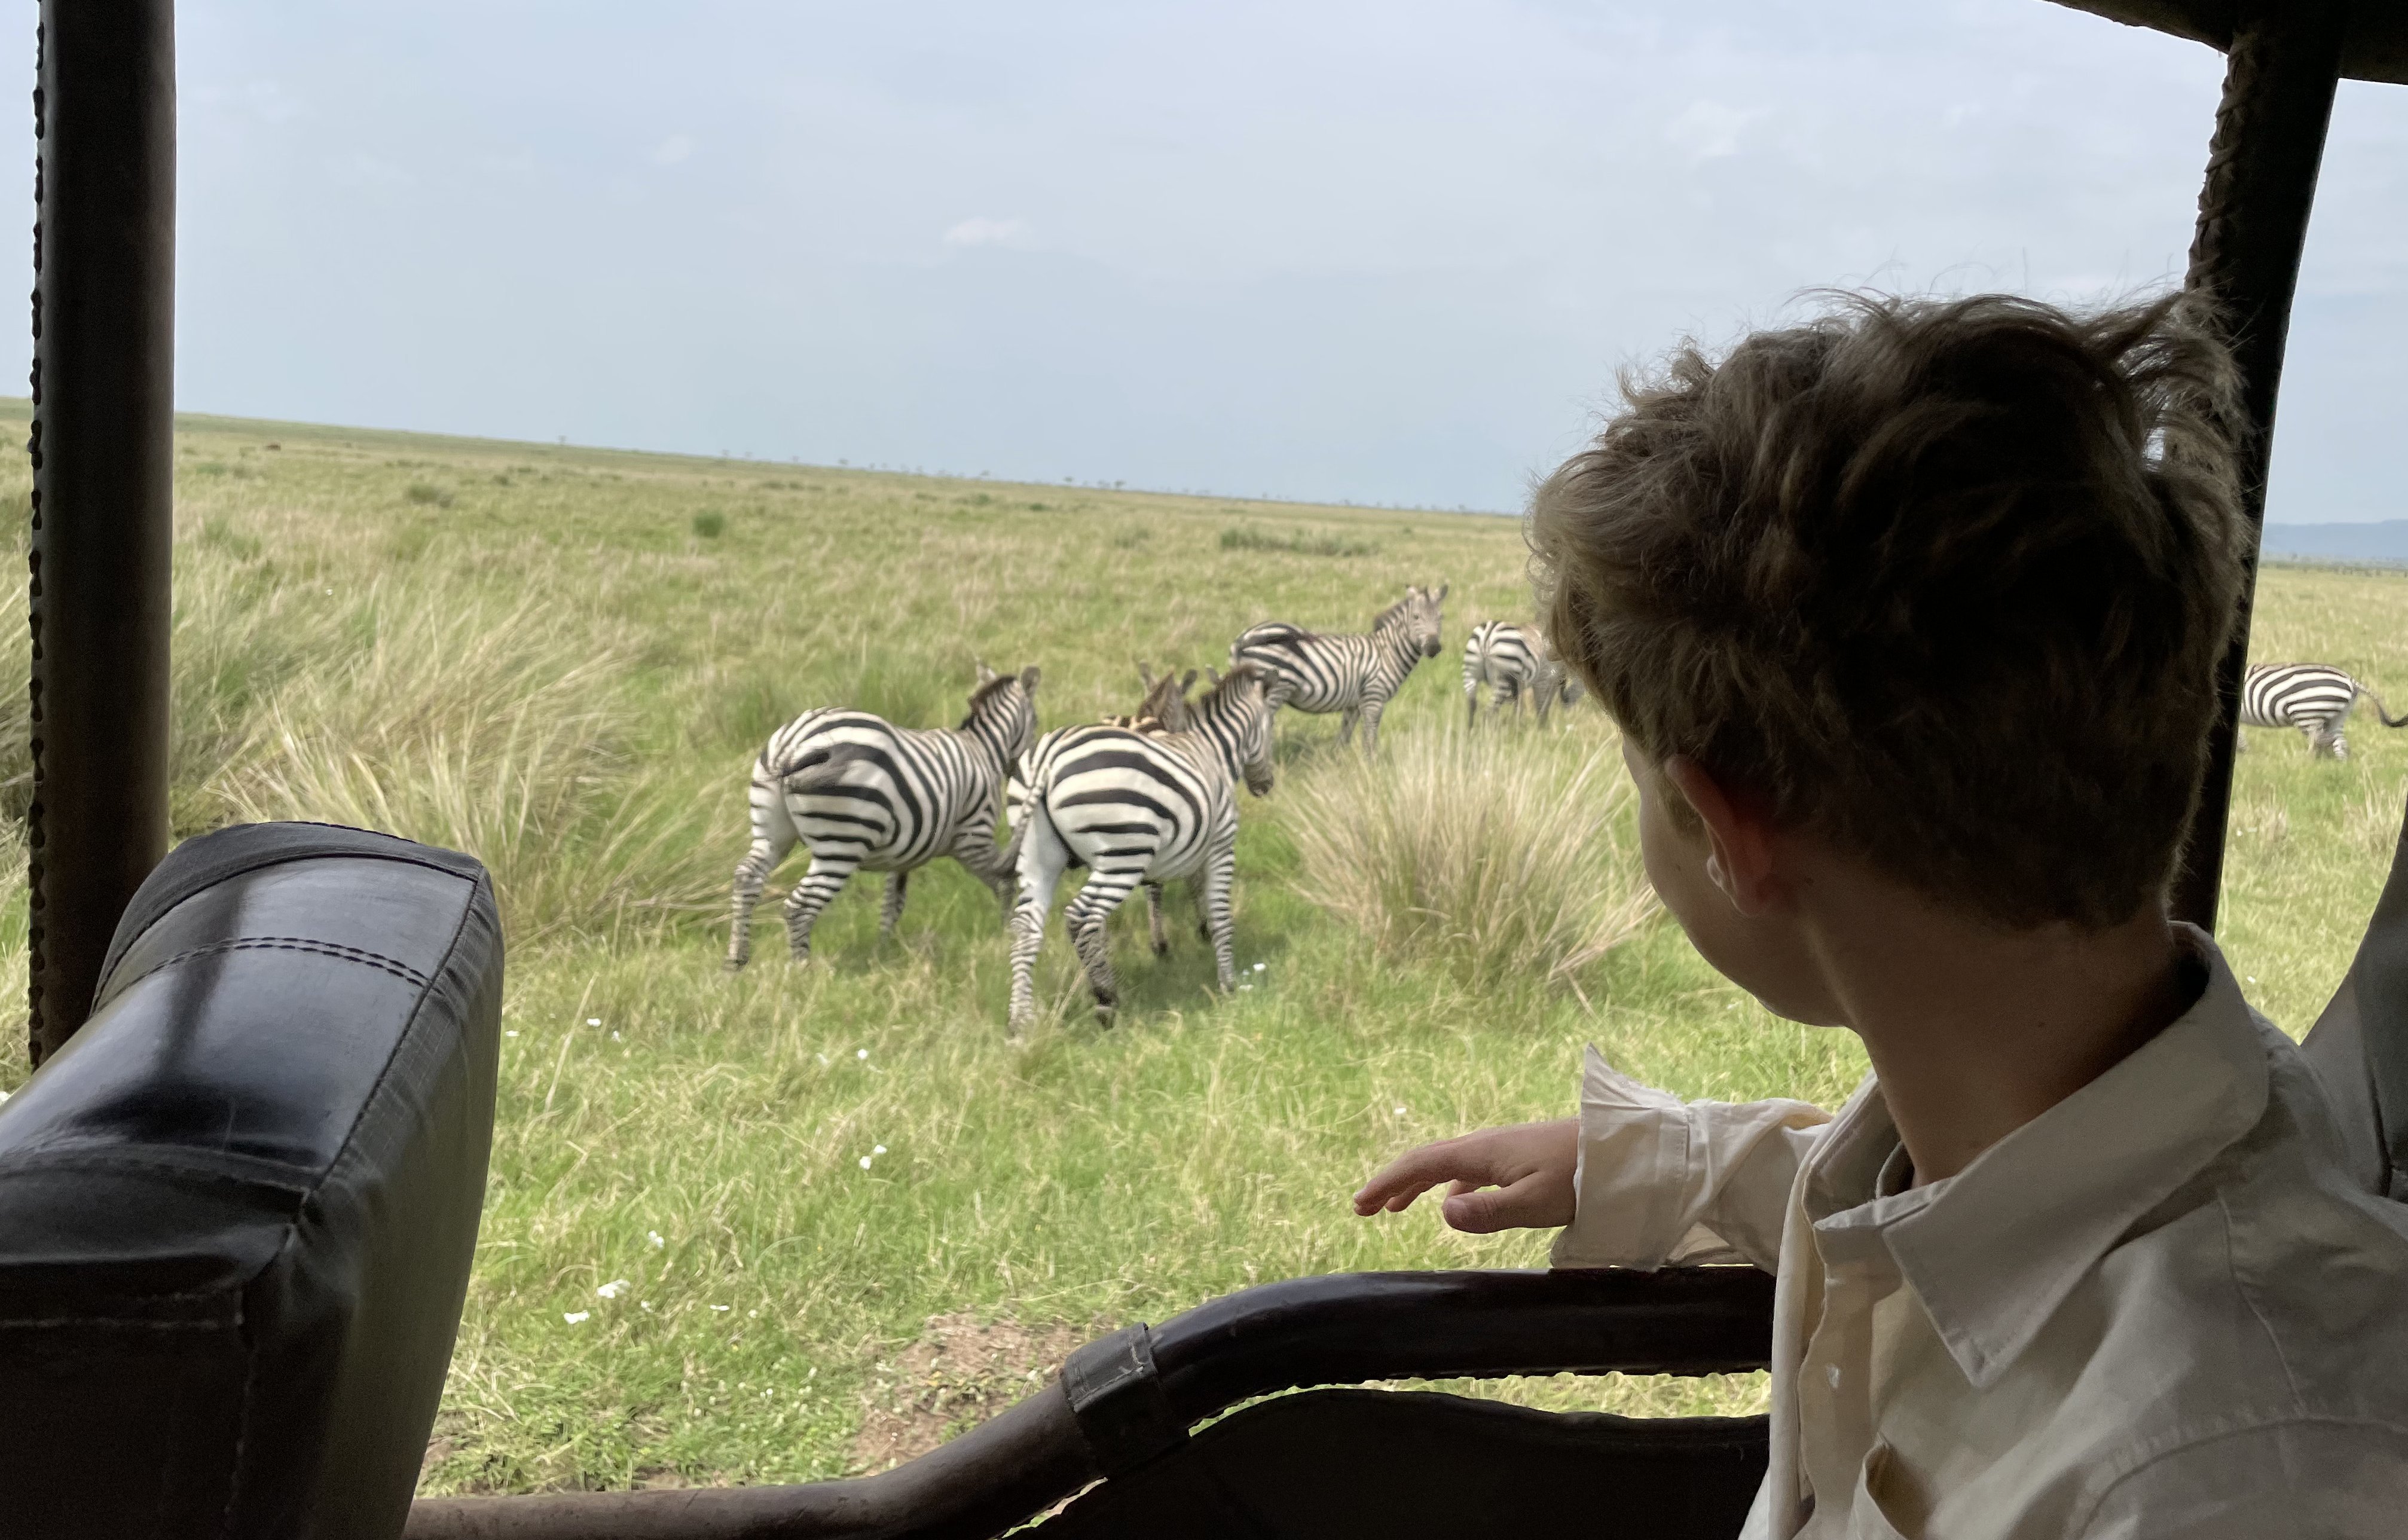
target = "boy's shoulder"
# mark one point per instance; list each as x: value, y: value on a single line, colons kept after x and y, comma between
x: 2263, y: 1311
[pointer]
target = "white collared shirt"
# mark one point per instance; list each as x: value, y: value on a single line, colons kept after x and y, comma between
x: 2162, y: 1308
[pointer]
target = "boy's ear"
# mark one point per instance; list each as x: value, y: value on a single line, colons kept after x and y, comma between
x: 1739, y: 858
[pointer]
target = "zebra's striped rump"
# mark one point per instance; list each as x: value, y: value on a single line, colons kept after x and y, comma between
x: 1354, y: 675
x: 861, y: 793
x: 2313, y: 697
x: 1513, y: 661
x: 1136, y: 808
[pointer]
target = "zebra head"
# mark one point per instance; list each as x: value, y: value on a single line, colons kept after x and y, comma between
x: 1421, y: 616
x: 1236, y: 715
x: 1003, y: 713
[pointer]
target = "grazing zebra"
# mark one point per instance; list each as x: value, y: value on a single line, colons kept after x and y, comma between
x: 1353, y: 675
x: 1513, y: 661
x: 861, y: 793
x: 2311, y: 696
x: 1137, y: 807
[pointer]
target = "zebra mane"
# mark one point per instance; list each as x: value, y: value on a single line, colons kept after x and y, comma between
x: 1244, y: 670
x: 983, y: 693
x: 1392, y: 612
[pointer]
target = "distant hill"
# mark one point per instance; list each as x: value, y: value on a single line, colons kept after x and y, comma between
x: 2379, y: 541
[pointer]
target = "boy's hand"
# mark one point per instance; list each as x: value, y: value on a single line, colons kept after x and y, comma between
x: 1517, y: 1177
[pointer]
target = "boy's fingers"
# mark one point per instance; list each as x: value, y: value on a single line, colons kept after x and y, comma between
x: 1491, y: 1209
x: 1406, y: 1178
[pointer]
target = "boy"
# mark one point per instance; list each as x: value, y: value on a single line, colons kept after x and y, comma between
x: 1909, y: 617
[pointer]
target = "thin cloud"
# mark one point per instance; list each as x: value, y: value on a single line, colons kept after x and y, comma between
x: 677, y: 147
x: 1709, y: 130
x: 989, y: 232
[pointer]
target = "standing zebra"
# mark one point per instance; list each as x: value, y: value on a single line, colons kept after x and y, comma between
x: 2311, y: 696
x: 1353, y: 675
x: 1513, y: 661
x: 861, y: 793
x: 1137, y: 807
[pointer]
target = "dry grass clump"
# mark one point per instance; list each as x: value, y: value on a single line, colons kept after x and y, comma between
x: 1506, y: 854
x: 483, y: 727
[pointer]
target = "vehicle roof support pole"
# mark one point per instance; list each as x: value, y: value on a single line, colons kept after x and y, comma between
x: 2253, y: 219
x: 102, y: 453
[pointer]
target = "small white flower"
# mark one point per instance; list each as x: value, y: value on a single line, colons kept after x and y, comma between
x: 575, y: 1317
x: 593, y: 1021
x: 1400, y: 1112
x: 612, y: 1289
x: 655, y: 1236
x: 1245, y: 987
x: 2253, y: 980
x: 719, y: 1307
x: 865, y: 1162
x: 513, y: 1033
x: 1260, y: 965
x: 879, y: 1150
x: 643, y: 1304
x: 614, y: 1037
x: 860, y: 1053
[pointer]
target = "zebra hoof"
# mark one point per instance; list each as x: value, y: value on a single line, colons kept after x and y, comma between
x: 1162, y: 948
x: 733, y: 965
x: 1106, y: 1011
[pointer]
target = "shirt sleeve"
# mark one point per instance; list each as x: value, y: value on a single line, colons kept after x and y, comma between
x: 2324, y: 1480
x: 1663, y: 1181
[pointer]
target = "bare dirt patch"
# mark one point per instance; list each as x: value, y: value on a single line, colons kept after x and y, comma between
x: 960, y: 1372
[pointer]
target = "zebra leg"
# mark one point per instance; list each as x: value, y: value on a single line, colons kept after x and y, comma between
x: 1105, y: 892
x: 773, y: 835
x: 1371, y: 709
x: 1346, y: 726
x: 1154, y: 930
x: 1042, y: 858
x: 974, y: 846
x: 1212, y: 889
x: 802, y: 905
x: 891, y: 909
x: 1470, y: 703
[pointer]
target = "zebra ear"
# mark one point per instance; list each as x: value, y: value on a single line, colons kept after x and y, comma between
x: 1188, y: 683
x: 1215, y: 673
x: 1441, y: 591
x: 1145, y: 676
x: 985, y: 674
x: 1028, y: 678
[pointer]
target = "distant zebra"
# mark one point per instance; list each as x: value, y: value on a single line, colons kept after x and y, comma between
x: 1353, y: 675
x: 859, y: 793
x: 1512, y: 661
x: 1137, y: 807
x: 2311, y: 696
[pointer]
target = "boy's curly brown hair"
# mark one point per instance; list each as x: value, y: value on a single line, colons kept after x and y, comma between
x: 1943, y: 581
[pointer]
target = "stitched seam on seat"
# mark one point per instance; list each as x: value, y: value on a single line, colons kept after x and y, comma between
x: 141, y: 1322
x: 68, y: 1154
x: 416, y: 1009
x: 289, y: 943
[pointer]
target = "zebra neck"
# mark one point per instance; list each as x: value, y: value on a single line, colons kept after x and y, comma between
x: 1398, y: 644
x: 987, y: 734
x: 1223, y: 726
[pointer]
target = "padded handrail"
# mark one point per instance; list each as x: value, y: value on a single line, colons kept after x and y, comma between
x: 1339, y: 1329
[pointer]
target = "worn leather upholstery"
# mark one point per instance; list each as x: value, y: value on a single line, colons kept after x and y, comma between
x: 238, y: 1210
x: 2360, y: 1045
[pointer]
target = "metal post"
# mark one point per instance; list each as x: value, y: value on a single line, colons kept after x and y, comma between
x: 101, y: 453
x: 2253, y: 219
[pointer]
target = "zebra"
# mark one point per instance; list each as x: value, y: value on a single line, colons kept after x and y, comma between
x: 1137, y: 807
x: 859, y: 792
x: 2311, y: 696
x: 1356, y: 675
x: 1513, y: 661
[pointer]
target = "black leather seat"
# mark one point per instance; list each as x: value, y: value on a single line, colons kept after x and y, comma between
x: 2360, y: 1045
x: 238, y: 1210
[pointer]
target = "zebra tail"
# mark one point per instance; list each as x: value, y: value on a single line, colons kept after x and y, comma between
x: 2384, y: 712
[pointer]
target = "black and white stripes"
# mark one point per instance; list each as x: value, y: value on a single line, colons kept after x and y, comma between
x: 1512, y: 662
x: 1353, y: 675
x: 2312, y: 697
x: 859, y: 792
x: 1137, y: 806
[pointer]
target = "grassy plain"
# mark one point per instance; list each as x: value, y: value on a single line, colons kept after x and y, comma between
x: 564, y: 660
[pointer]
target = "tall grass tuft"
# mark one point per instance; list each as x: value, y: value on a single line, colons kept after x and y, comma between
x: 1508, y: 855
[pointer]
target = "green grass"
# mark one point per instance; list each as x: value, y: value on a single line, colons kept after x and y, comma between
x: 566, y: 659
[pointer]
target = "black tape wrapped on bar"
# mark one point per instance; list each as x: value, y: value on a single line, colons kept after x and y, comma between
x: 238, y: 1209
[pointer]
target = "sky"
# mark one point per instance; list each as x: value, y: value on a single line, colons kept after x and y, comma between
x: 1387, y: 252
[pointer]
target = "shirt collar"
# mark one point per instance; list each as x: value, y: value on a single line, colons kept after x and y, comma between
x: 1992, y: 1251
